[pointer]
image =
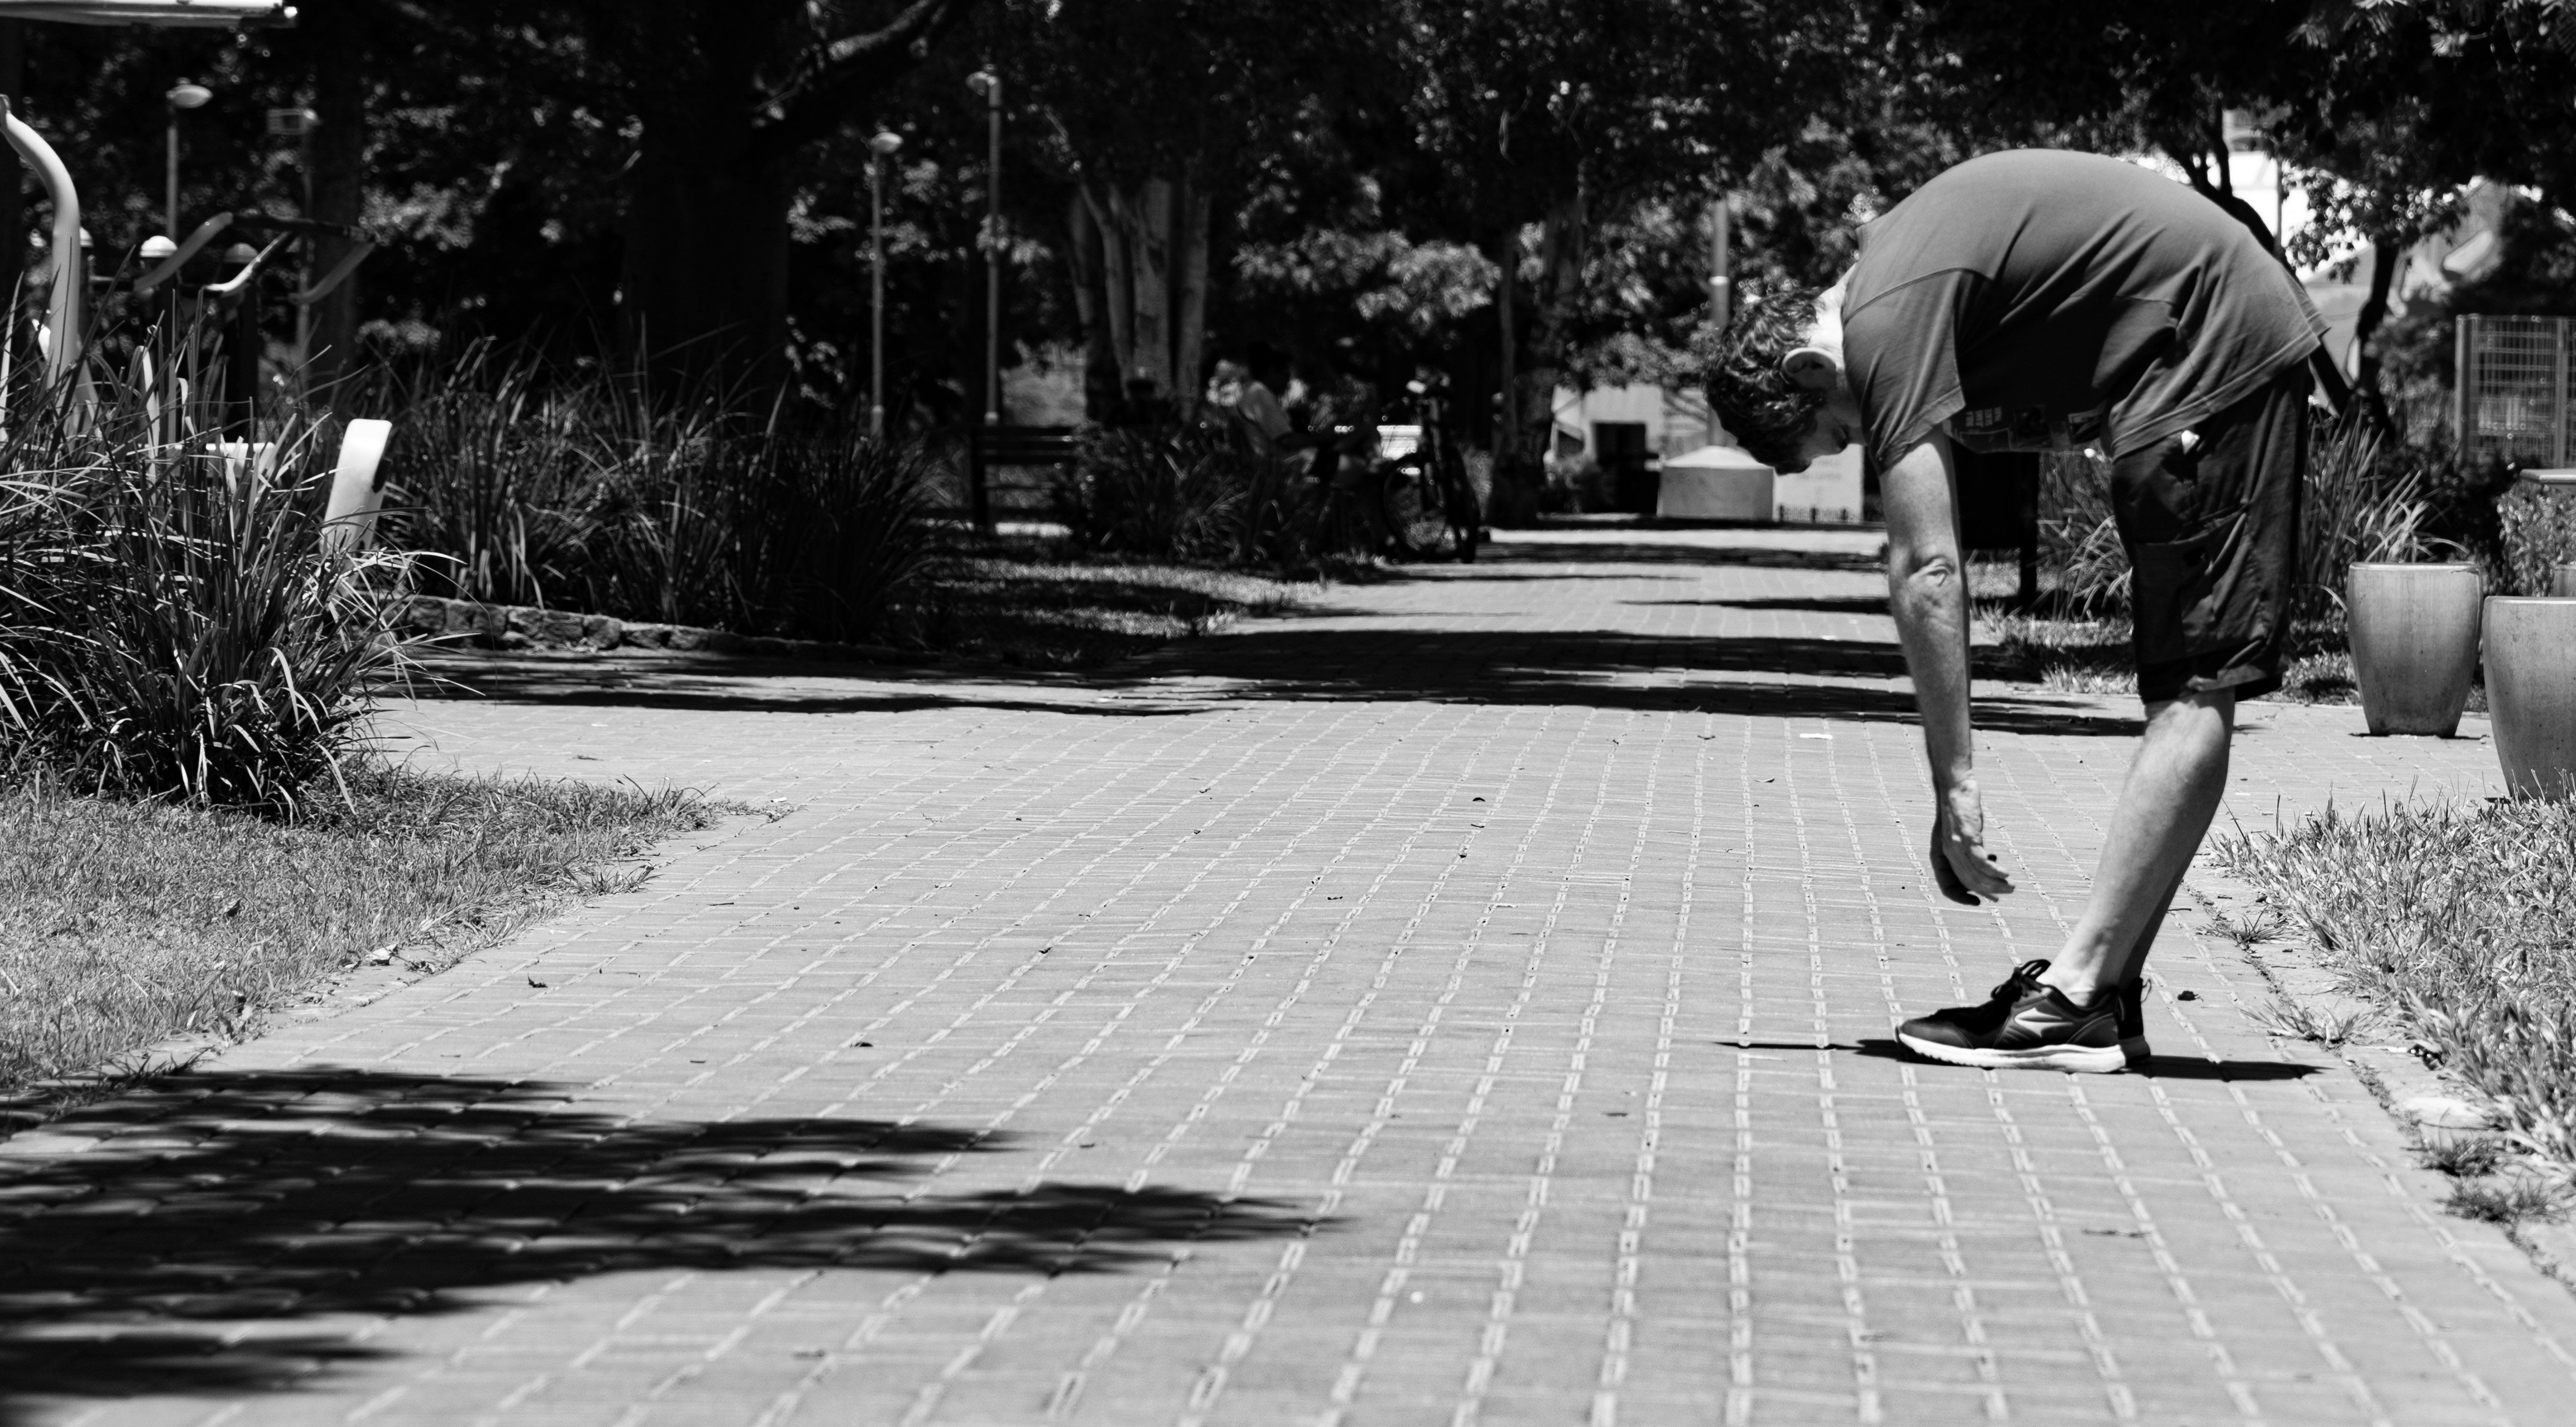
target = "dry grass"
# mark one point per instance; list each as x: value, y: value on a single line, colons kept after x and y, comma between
x: 2302, y: 1022
x: 2504, y: 1200
x: 123, y: 924
x: 2462, y: 920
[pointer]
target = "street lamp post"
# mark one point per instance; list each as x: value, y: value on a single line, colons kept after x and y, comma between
x: 989, y: 85
x: 880, y: 149
x: 186, y: 94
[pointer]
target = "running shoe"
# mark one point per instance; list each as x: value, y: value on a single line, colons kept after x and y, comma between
x: 2133, y: 1023
x: 2027, y: 1026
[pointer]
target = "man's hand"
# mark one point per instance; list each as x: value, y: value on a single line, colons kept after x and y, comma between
x: 1961, y: 866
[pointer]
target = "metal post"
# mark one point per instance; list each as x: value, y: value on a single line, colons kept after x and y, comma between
x: 993, y: 261
x: 304, y: 252
x: 2558, y: 391
x: 170, y: 191
x: 876, y: 295
x: 879, y: 149
x: 2463, y: 373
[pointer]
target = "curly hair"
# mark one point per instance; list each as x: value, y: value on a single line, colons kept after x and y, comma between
x: 1755, y: 400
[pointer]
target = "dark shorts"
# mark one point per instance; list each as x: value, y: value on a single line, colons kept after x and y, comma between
x: 2211, y: 522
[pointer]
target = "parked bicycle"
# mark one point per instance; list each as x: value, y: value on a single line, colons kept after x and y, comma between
x: 1429, y: 505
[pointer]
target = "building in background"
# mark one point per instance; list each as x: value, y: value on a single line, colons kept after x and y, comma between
x: 1649, y: 433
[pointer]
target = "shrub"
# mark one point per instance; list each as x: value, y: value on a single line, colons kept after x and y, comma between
x: 2536, y: 531
x: 173, y: 626
x: 1162, y: 493
x: 1203, y: 494
x: 2461, y: 919
x: 594, y: 491
x: 2079, y: 539
x: 2362, y: 502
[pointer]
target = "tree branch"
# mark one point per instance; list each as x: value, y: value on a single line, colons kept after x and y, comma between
x: 833, y: 76
x: 513, y: 50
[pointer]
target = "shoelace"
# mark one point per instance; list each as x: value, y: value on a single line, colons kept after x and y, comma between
x: 2019, y: 983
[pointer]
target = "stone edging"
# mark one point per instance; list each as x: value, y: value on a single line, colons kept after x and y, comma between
x: 468, y: 624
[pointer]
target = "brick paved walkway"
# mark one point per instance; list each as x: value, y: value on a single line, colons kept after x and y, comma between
x: 1465, y: 1003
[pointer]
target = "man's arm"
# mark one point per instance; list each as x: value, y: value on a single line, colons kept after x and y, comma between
x: 1927, y: 590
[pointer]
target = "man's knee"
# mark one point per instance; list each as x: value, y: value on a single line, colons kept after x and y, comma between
x: 2194, y: 706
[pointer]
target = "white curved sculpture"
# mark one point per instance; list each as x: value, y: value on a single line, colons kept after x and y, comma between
x: 62, y: 341
x: 357, y: 487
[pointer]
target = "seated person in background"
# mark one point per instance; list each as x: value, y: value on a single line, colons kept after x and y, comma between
x: 1257, y: 403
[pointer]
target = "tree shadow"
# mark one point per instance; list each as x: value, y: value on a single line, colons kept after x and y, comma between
x: 1596, y: 669
x: 1857, y: 604
x: 167, y: 1260
x: 723, y: 683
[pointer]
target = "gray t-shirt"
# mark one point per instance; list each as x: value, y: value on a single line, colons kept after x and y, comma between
x: 2038, y: 300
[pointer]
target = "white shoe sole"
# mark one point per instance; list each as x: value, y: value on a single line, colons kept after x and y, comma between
x: 2085, y: 1059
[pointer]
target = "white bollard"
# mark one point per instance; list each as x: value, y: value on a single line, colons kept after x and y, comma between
x: 349, y: 520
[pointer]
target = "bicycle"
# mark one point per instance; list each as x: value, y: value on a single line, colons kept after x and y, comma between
x: 1429, y: 506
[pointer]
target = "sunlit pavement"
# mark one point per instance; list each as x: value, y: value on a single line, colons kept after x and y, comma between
x: 1467, y: 1001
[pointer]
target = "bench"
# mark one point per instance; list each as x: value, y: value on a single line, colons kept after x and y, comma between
x: 991, y: 449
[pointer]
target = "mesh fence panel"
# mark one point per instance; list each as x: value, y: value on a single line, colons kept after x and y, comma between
x: 2513, y: 388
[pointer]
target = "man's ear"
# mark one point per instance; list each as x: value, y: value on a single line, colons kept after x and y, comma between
x: 1814, y: 368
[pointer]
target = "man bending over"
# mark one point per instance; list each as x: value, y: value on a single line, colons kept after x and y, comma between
x: 2037, y: 301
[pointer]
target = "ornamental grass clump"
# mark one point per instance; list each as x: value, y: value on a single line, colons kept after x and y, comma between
x: 2464, y: 920
x: 171, y: 625
x: 593, y: 491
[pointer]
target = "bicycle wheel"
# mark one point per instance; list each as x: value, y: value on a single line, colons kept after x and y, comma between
x: 1417, y: 513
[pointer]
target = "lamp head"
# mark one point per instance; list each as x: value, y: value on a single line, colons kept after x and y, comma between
x: 240, y: 253
x: 156, y: 248
x: 884, y: 144
x: 986, y: 84
x: 188, y: 94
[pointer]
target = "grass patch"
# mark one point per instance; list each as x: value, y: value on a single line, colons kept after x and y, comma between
x: 124, y: 924
x: 2504, y: 1200
x: 2302, y: 1022
x: 2465, y: 1156
x: 2461, y: 919
x: 2091, y: 656
x: 1027, y: 607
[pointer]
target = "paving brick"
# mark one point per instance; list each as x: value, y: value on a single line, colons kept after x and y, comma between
x: 1204, y: 1080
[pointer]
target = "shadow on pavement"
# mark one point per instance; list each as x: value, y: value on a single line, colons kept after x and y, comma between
x: 1586, y: 668
x: 1587, y: 552
x: 2161, y: 1067
x: 1857, y: 604
x: 1289, y: 661
x: 242, y: 1204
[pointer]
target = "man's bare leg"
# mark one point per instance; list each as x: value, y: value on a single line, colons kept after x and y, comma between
x: 2172, y: 792
x: 2132, y: 966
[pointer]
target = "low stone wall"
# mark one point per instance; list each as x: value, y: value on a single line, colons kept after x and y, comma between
x: 466, y: 624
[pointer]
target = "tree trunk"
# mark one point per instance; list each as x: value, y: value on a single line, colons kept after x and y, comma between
x: 2384, y: 259
x: 1189, y: 310
x: 1086, y: 263
x: 1151, y: 300
x: 340, y: 61
x: 1561, y: 253
x: 1148, y: 221
x: 704, y: 290
x: 1514, y: 499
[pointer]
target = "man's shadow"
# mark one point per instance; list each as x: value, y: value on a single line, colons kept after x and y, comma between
x: 252, y: 1200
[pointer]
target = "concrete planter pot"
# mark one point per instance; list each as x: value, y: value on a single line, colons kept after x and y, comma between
x: 2531, y: 692
x: 2414, y: 632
